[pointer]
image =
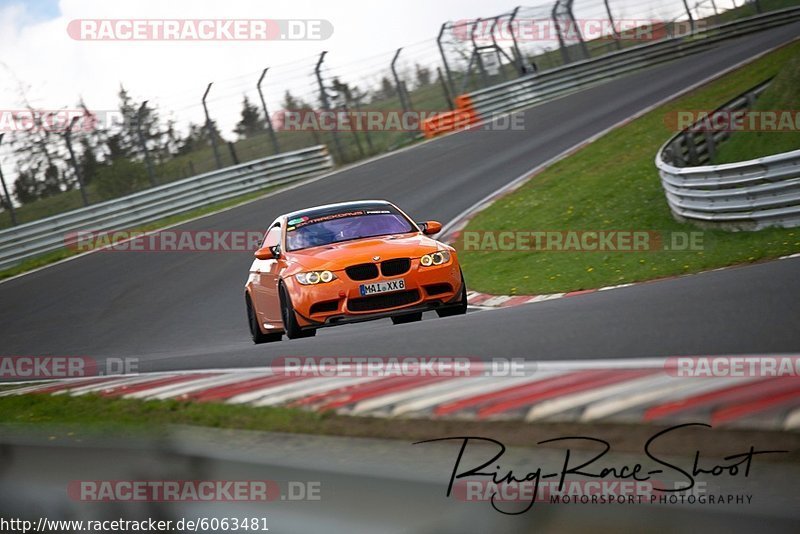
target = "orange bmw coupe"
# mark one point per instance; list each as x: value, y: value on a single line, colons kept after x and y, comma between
x: 349, y: 262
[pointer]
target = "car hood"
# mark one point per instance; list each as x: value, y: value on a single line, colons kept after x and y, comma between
x: 337, y: 256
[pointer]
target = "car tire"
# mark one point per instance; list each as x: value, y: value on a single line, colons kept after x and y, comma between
x: 460, y: 308
x: 255, y: 332
x: 290, y: 325
x: 408, y: 318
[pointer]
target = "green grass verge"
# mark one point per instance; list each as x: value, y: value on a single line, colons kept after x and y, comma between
x: 783, y: 94
x: 612, y: 184
x: 62, y: 253
x: 88, y: 418
x: 89, y: 412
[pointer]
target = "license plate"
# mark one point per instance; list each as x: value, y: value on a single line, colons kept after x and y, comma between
x: 382, y: 287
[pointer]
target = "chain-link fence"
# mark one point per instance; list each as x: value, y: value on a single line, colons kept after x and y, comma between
x: 368, y: 106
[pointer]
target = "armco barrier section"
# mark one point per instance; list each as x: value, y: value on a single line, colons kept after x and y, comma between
x: 746, y: 195
x: 45, y: 235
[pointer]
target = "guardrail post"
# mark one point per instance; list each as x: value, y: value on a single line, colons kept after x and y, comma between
x: 691, y: 148
x: 68, y: 140
x: 210, y: 129
x: 451, y: 85
x: 5, y: 191
x: 711, y: 146
x: 326, y: 104
x: 270, y: 129
x: 151, y: 174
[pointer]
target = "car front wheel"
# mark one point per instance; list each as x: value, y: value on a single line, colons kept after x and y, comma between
x: 255, y: 332
x: 458, y: 309
x: 290, y: 324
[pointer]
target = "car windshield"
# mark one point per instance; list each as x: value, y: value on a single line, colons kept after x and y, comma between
x: 307, y: 232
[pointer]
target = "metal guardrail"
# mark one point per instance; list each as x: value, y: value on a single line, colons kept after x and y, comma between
x: 537, y: 88
x: 746, y: 195
x: 45, y: 235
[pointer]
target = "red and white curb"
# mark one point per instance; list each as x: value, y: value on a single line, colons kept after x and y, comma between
x: 638, y: 391
x: 484, y: 300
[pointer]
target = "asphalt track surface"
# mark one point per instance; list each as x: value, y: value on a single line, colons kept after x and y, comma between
x: 186, y: 310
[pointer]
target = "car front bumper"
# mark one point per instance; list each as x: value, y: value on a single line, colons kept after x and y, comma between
x: 341, y: 302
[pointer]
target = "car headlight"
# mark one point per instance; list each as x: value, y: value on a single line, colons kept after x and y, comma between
x: 315, y: 277
x: 435, y: 258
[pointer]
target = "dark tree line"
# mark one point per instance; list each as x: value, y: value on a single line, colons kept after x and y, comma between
x: 109, y: 147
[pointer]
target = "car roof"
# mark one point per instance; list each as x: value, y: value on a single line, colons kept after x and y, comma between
x: 333, y: 208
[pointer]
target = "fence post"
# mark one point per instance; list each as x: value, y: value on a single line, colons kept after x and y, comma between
x: 561, y: 46
x: 689, y: 12
x: 326, y: 104
x: 476, y: 53
x: 151, y: 174
x: 5, y: 190
x: 232, y: 150
x: 210, y: 129
x: 617, y: 37
x: 270, y: 129
x: 451, y: 85
x: 401, y: 88
x: 445, y: 89
x: 517, y: 53
x: 584, y: 49
x: 68, y: 140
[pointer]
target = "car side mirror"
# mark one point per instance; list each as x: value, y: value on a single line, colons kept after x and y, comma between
x: 267, y: 253
x: 430, y: 227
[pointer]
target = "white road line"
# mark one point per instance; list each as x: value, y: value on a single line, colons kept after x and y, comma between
x: 91, y: 388
x: 179, y: 388
x: 495, y: 301
x: 413, y: 392
x: 22, y: 391
x: 318, y: 385
x: 477, y: 386
x: 678, y: 389
x: 620, y: 286
x: 540, y: 298
x: 792, y: 421
x: 576, y: 400
x: 256, y: 394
